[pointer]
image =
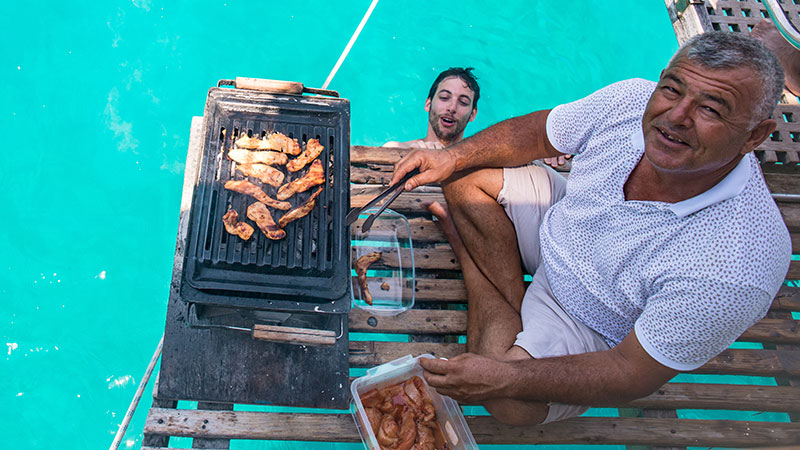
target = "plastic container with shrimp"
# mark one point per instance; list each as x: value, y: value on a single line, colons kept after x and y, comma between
x: 455, y: 431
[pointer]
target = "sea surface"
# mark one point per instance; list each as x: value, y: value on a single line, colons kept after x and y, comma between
x: 95, y: 117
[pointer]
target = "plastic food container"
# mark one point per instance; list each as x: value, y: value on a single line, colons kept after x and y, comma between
x: 448, y: 413
x: 390, y: 280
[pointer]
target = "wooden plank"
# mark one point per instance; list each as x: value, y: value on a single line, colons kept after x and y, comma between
x: 360, y: 154
x: 788, y: 299
x: 766, y: 363
x: 414, y: 321
x: 454, y: 290
x: 775, y: 331
x: 782, y: 183
x: 211, y: 443
x: 438, y: 258
x: 597, y: 430
x: 689, y: 21
x: 721, y: 396
x: 792, y: 274
x: 789, y: 211
x: 426, y: 321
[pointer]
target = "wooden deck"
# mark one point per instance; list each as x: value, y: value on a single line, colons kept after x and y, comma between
x: 436, y: 322
x: 439, y: 319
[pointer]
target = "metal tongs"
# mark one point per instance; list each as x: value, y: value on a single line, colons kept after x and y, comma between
x: 398, y: 189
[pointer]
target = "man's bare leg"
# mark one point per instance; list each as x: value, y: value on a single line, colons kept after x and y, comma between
x: 494, y: 306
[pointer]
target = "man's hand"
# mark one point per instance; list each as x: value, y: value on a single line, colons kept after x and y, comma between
x: 434, y: 166
x: 468, y: 378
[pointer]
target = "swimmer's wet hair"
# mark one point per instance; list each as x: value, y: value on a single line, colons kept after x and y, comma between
x: 727, y: 50
x: 465, y: 74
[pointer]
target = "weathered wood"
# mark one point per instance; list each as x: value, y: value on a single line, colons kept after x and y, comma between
x: 413, y: 321
x: 361, y: 154
x: 721, y: 396
x: 454, y: 290
x: 438, y: 258
x: 767, y: 363
x: 211, y: 443
x: 792, y: 274
x: 782, y: 183
x: 790, y: 213
x: 426, y: 321
x: 688, y: 18
x: 598, y: 430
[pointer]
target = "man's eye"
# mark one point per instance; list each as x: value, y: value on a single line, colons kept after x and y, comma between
x: 711, y: 110
x: 463, y: 103
x: 669, y: 90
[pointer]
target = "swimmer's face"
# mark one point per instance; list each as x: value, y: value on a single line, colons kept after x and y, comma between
x: 450, y: 109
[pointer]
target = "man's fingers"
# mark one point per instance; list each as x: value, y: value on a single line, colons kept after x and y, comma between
x: 435, y: 366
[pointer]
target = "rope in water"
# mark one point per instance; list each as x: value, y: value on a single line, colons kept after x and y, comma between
x: 138, y: 396
x: 350, y: 44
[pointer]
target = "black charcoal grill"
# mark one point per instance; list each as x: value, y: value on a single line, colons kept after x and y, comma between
x: 307, y: 272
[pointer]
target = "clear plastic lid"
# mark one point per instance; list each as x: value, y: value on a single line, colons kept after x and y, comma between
x: 384, y: 255
x: 448, y: 412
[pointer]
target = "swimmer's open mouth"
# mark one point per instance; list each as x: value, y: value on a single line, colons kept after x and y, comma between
x: 448, y: 121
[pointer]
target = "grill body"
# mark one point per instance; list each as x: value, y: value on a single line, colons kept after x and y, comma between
x: 308, y: 270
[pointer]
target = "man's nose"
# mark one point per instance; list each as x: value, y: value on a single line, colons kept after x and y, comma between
x: 681, y: 112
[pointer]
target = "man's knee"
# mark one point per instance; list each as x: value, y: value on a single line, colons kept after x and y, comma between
x: 465, y: 187
x: 517, y: 412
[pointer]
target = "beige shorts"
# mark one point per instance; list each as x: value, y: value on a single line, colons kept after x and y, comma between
x: 547, y: 329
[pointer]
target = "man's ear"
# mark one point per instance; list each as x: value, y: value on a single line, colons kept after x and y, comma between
x: 758, y: 135
x: 474, y: 113
x: 428, y: 105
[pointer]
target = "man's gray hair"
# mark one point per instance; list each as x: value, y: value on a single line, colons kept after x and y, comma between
x: 727, y: 50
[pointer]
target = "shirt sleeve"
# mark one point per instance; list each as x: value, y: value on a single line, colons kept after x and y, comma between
x: 689, y: 320
x: 570, y: 126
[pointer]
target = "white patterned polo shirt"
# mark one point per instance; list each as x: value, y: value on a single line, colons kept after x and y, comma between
x: 689, y: 277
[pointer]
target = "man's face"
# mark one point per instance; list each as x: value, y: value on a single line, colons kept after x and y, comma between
x: 451, y: 109
x: 698, y: 120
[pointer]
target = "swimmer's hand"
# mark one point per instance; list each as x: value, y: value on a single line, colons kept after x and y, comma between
x: 434, y: 166
x: 557, y: 161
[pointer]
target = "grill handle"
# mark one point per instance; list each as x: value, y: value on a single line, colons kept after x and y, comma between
x: 291, y: 335
x: 275, y: 86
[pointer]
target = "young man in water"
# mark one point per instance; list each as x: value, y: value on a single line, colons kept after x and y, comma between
x: 452, y: 103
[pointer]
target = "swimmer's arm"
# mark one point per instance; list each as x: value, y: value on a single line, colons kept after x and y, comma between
x: 608, y: 378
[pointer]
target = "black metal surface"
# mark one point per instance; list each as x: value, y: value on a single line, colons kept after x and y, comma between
x: 308, y: 270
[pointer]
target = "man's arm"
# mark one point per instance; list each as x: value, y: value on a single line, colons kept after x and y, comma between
x: 608, y: 378
x: 512, y: 142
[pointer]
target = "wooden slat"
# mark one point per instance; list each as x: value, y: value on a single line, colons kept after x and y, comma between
x: 454, y: 290
x: 414, y: 321
x: 782, y: 183
x: 788, y: 299
x: 766, y: 363
x: 427, y: 321
x: 789, y: 211
x: 360, y: 154
x: 793, y: 274
x: 598, y: 430
x: 721, y: 396
x: 775, y: 331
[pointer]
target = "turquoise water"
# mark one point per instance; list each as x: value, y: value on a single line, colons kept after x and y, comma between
x: 95, y: 117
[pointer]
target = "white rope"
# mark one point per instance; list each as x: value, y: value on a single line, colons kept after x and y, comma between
x: 350, y: 44
x: 132, y: 407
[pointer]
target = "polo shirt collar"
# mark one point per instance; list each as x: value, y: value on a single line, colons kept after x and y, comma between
x: 728, y: 187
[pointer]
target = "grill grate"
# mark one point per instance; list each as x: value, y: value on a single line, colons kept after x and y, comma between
x: 312, y: 261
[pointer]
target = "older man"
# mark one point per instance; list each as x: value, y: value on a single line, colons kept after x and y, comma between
x: 451, y: 104
x: 663, y: 247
